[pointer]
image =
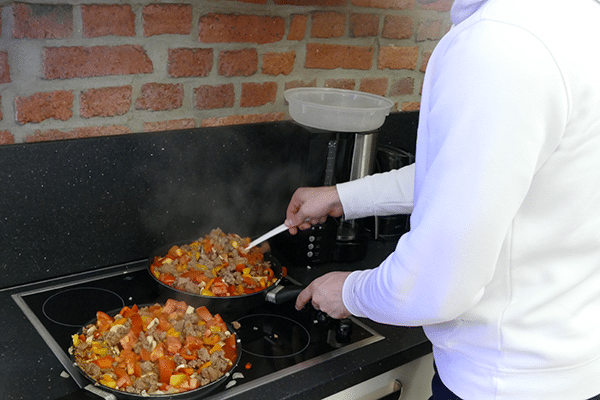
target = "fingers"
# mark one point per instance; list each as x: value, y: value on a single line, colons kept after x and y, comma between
x: 304, y: 297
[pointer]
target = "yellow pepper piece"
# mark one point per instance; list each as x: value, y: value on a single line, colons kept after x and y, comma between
x: 234, y: 244
x: 177, y: 380
x: 173, y: 332
x: 216, y: 270
x: 215, y: 329
x: 101, y: 351
x: 246, y: 271
x: 120, y: 321
x: 206, y: 364
x: 206, y: 292
x: 76, y: 340
x: 167, y: 261
x: 215, y: 348
x: 107, y: 380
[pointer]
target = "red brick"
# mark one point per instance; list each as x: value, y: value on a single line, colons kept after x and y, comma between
x: 243, y: 119
x: 238, y: 62
x: 42, y: 21
x: 278, y: 63
x: 385, y: 4
x: 80, y: 62
x: 258, y: 94
x: 348, y: 84
x: 331, y: 56
x: 397, y: 27
x: 362, y: 25
x: 190, y: 62
x: 105, y: 102
x: 431, y: 30
x: 439, y: 5
x: 219, y: 96
x: 298, y: 84
x: 160, y: 19
x: 411, y: 106
x: 230, y: 28
x: 160, y: 97
x: 328, y: 25
x: 172, y: 125
x: 394, y: 57
x: 425, y: 60
x: 55, y: 134
x: 403, y: 87
x: 321, y: 3
x: 376, y: 86
x: 297, y: 27
x: 6, y: 137
x: 106, y: 20
x: 4, y: 67
x: 41, y: 106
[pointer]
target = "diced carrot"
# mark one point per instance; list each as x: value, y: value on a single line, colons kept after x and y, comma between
x: 166, y: 366
x: 129, y: 340
x: 188, y: 353
x: 167, y: 279
x: 209, y: 284
x: 124, y: 378
x: 195, y: 276
x: 219, y: 288
x: 203, y: 313
x: 249, y: 281
x: 145, y: 354
x: 136, y: 324
x: 163, y: 323
x: 127, y: 312
x: 173, y: 344
x: 104, y: 362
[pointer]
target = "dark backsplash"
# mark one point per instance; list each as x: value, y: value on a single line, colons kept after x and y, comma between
x: 76, y: 205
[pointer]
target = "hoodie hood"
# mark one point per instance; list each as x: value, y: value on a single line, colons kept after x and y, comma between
x: 463, y: 9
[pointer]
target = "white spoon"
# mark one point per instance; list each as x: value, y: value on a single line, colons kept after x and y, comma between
x: 267, y: 235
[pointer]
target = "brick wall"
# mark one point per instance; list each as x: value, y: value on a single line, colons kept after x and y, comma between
x: 77, y: 68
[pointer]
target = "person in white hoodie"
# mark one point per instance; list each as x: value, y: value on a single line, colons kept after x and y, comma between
x: 501, y: 265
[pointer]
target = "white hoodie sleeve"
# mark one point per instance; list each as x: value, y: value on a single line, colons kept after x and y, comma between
x: 388, y: 193
x: 494, y: 107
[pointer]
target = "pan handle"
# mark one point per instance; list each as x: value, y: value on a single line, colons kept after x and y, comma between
x: 89, y: 392
x: 283, y: 294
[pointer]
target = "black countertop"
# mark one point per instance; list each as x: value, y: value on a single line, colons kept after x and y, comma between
x: 29, y: 369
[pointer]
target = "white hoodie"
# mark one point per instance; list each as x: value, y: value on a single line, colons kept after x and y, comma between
x: 502, y: 263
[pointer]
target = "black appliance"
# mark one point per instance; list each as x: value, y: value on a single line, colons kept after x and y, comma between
x: 276, y: 340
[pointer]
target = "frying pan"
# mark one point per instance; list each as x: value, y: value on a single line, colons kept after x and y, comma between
x: 231, y: 306
x: 94, y: 390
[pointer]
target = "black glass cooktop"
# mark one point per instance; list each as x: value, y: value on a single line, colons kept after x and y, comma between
x: 276, y: 340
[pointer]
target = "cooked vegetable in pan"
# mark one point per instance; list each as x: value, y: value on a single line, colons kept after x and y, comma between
x: 216, y: 265
x: 156, y: 349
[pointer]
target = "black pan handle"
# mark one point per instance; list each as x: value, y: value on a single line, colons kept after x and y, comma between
x: 283, y: 294
x: 89, y: 392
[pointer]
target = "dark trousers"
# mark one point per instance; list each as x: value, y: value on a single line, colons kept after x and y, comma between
x: 441, y: 392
